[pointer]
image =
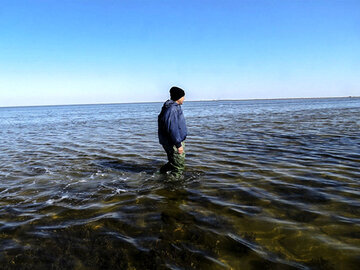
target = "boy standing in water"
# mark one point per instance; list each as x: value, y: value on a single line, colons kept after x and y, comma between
x: 172, y: 132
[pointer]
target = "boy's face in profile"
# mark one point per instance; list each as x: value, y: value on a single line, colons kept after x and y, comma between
x: 181, y: 100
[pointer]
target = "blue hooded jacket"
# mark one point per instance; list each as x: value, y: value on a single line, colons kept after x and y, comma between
x: 171, y: 124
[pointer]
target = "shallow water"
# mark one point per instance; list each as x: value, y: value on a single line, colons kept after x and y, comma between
x: 269, y: 184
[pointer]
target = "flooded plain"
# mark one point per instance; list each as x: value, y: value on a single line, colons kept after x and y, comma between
x: 269, y: 184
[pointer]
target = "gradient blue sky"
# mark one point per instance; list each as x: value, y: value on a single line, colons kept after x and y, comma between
x: 106, y: 51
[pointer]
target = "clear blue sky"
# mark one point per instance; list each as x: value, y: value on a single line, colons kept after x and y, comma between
x: 102, y: 51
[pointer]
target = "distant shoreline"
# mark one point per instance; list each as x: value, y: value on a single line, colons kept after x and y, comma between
x: 205, y: 100
x: 250, y: 99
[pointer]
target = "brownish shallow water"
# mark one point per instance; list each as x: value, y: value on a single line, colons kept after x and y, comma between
x: 269, y: 185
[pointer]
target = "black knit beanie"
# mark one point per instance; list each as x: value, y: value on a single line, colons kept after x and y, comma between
x: 176, y: 93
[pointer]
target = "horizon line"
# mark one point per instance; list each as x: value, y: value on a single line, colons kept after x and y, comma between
x: 142, y: 102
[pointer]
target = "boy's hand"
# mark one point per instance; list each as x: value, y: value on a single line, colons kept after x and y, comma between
x: 181, y: 150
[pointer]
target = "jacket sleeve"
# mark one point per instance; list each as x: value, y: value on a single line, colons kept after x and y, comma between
x: 172, y: 125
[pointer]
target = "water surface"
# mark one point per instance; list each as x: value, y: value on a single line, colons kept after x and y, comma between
x: 269, y: 184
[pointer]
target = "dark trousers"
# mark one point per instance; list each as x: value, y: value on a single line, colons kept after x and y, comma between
x: 176, y: 161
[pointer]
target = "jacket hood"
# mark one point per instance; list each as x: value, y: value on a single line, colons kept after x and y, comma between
x: 170, y: 103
